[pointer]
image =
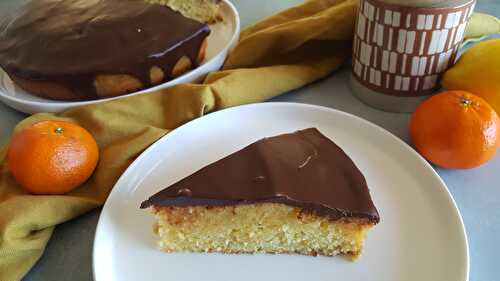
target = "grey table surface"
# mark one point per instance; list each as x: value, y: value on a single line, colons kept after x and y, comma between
x: 477, y: 192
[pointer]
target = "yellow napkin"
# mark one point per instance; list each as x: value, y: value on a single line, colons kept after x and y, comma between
x: 279, y: 54
x: 481, y: 25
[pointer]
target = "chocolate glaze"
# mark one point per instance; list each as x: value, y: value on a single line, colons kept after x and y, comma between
x: 303, y: 169
x: 73, y: 41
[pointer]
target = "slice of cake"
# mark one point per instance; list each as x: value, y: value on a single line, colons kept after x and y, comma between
x: 292, y: 193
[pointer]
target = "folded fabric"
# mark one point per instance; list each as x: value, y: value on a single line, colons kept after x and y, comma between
x: 481, y: 25
x: 281, y: 53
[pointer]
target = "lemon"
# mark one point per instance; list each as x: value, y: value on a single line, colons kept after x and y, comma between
x: 478, y: 71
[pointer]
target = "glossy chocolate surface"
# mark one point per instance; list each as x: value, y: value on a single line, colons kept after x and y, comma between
x: 73, y: 41
x: 303, y: 169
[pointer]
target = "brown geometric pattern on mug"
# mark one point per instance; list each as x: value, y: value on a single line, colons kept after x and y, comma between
x: 403, y: 50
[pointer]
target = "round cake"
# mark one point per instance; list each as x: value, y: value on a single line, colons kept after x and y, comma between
x: 91, y: 49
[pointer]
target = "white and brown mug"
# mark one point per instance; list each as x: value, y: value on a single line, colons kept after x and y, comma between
x: 401, y: 48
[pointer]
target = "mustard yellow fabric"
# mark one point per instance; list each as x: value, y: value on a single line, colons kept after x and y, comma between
x: 481, y: 25
x: 281, y: 53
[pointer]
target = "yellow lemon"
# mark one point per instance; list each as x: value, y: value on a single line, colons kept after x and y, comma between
x: 478, y: 71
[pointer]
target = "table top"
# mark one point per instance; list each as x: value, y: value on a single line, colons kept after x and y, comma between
x: 477, y: 192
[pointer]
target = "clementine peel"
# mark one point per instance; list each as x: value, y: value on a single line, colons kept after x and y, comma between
x: 52, y: 157
x: 455, y: 130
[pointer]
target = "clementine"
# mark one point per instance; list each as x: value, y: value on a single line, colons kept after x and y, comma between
x: 52, y: 157
x: 455, y: 130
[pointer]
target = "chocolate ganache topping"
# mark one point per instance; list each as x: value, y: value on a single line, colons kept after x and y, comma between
x: 72, y: 41
x: 303, y: 169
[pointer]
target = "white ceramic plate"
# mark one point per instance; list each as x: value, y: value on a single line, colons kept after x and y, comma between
x: 420, y: 237
x: 224, y: 36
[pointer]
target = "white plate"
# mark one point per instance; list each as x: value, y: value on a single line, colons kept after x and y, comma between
x: 420, y: 237
x: 224, y: 36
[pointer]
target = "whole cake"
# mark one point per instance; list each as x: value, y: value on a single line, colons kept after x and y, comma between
x: 91, y: 49
x: 292, y: 193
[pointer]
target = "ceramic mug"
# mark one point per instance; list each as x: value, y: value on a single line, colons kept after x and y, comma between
x: 401, y: 48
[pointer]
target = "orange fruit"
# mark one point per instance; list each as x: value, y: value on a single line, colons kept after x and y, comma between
x: 52, y: 157
x: 455, y: 130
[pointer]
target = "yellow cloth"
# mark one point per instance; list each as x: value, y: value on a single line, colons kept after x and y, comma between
x: 279, y: 54
x: 481, y: 25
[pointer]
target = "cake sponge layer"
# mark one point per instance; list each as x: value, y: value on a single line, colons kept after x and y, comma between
x: 264, y: 227
x: 206, y: 11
